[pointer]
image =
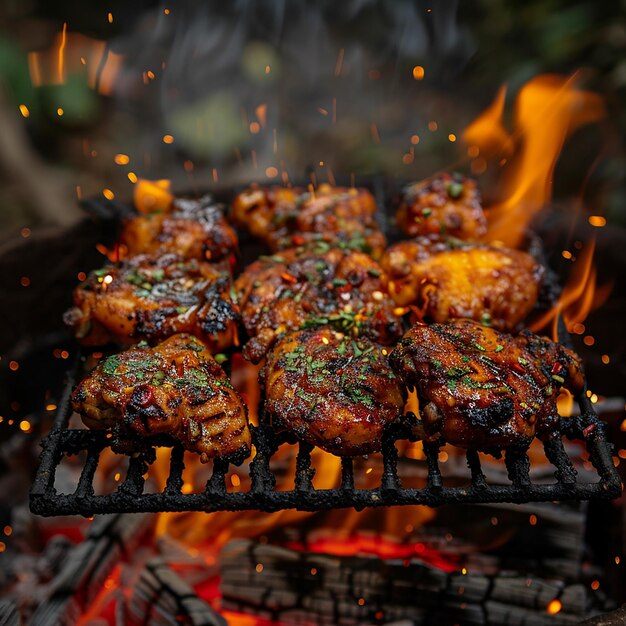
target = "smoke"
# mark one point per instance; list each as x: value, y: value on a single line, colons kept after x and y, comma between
x: 251, y: 84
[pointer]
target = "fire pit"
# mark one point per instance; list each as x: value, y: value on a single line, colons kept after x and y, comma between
x: 367, y: 95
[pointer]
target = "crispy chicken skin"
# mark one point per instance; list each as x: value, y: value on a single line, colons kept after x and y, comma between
x: 283, y: 218
x: 482, y: 389
x: 332, y: 391
x: 174, y: 388
x: 194, y: 229
x: 445, y: 280
x: 152, y: 298
x: 445, y: 205
x: 314, y: 286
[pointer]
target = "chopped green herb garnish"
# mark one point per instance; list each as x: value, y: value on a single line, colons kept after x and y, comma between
x: 221, y: 358
x: 455, y: 190
x: 111, y: 364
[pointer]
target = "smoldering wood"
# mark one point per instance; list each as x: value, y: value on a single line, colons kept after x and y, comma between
x: 165, y: 598
x: 362, y: 589
x: 9, y: 615
x: 88, y: 565
x: 615, y: 618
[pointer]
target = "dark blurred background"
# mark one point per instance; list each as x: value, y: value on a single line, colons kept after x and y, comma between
x: 213, y: 95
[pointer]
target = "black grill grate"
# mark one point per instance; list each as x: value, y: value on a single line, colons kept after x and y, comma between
x: 130, y: 496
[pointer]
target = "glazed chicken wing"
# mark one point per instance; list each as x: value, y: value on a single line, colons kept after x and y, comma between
x: 152, y: 298
x: 174, y: 388
x: 194, y: 229
x: 331, y: 390
x: 444, y: 280
x: 446, y: 205
x: 482, y: 389
x: 314, y: 286
x: 283, y: 218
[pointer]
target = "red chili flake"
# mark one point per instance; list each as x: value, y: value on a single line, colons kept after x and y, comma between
x: 290, y: 278
x: 297, y: 240
x: 518, y: 368
x: 588, y: 430
x: 143, y: 395
x: 556, y: 368
x: 339, y: 371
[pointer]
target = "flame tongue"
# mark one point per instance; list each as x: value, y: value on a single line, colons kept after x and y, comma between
x: 547, y: 110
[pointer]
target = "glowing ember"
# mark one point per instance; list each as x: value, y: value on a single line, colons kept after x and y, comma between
x: 554, y: 607
x: 418, y: 72
x: 597, y: 220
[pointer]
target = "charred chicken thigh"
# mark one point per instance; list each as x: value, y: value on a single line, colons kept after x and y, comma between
x: 446, y: 205
x: 482, y: 389
x: 314, y: 286
x: 333, y: 391
x: 151, y: 298
x: 446, y: 280
x: 283, y: 218
x: 175, y: 388
x: 194, y: 229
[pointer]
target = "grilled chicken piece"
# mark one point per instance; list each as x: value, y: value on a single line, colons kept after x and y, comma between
x: 482, y: 389
x: 444, y: 280
x: 152, y: 298
x: 174, y: 388
x: 194, y: 229
x: 283, y: 218
x: 314, y: 286
x: 332, y: 391
x: 446, y: 205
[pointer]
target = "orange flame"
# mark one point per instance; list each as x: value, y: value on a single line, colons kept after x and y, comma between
x: 150, y: 196
x: 547, y: 110
x: 75, y: 54
x: 580, y: 296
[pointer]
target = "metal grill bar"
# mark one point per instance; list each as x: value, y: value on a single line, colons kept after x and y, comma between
x: 262, y: 495
x: 130, y: 495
